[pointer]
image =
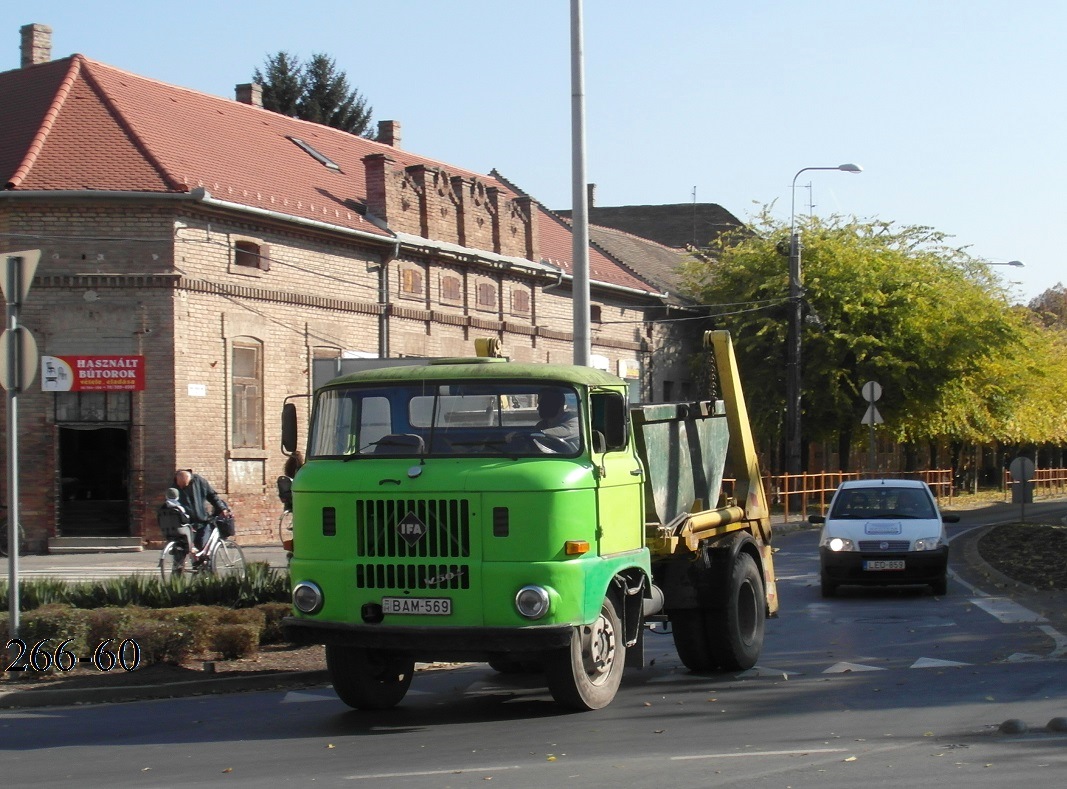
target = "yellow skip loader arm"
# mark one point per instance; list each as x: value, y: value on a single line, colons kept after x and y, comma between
x: 748, y: 511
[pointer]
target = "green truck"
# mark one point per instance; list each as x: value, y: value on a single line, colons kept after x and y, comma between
x: 442, y: 514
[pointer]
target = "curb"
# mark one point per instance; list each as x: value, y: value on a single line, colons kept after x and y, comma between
x: 63, y: 697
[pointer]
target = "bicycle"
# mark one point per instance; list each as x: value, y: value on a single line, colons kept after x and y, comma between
x: 220, y: 556
x: 3, y: 534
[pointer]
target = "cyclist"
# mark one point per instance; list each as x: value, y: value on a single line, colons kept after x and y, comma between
x: 194, y: 494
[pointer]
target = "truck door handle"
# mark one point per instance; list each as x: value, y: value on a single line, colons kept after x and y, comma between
x: 637, y: 472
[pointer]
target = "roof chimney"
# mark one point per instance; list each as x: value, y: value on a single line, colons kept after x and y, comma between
x: 389, y: 133
x: 250, y: 93
x: 36, y: 44
x: 590, y: 195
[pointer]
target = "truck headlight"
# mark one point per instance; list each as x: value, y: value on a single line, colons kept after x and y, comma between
x: 307, y: 597
x: 927, y: 544
x: 838, y: 544
x: 532, y: 602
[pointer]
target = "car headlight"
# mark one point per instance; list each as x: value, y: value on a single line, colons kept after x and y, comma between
x: 838, y: 544
x: 532, y: 602
x: 927, y: 544
x: 307, y: 597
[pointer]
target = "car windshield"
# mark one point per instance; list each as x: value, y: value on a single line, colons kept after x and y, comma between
x: 882, y: 502
x: 446, y: 419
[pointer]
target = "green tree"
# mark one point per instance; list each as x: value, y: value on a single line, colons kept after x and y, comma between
x: 1051, y: 306
x: 282, y: 80
x: 892, y: 304
x: 316, y: 91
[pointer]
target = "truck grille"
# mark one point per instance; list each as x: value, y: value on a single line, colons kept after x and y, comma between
x: 892, y: 546
x: 413, y: 528
x: 412, y: 576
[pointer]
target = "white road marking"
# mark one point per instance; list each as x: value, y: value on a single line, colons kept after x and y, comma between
x: 1007, y: 611
x: 457, y: 771
x: 757, y: 753
x: 926, y: 662
x: 1059, y: 638
x: 843, y: 668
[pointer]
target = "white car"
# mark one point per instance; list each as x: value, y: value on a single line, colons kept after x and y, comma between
x: 883, y: 531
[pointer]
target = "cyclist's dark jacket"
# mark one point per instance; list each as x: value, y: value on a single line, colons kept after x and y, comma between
x: 195, y: 497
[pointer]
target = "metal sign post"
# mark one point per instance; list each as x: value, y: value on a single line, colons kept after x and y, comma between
x: 872, y: 390
x: 18, y: 365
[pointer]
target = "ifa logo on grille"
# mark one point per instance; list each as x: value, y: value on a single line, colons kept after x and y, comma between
x: 411, y: 529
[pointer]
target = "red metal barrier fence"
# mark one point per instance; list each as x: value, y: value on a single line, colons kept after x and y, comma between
x: 1046, y: 481
x: 798, y: 495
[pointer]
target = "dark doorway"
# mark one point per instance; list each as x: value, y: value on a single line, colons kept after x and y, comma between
x: 94, y: 463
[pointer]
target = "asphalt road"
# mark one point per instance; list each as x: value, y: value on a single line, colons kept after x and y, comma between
x: 894, y: 688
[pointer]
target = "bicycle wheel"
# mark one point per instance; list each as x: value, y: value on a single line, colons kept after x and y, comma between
x: 172, y: 562
x: 228, y: 559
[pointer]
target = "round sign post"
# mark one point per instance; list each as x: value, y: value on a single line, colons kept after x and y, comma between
x: 872, y: 391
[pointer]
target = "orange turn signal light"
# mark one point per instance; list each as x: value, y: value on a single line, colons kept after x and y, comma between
x: 575, y: 547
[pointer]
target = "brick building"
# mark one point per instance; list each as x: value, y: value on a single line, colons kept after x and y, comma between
x: 222, y: 250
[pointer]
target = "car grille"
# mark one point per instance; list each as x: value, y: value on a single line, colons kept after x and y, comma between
x: 884, y: 546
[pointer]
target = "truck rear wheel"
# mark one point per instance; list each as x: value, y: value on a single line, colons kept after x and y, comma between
x: 369, y: 679
x: 586, y: 675
x: 727, y: 637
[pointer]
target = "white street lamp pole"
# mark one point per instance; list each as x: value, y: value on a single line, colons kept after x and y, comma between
x: 796, y: 293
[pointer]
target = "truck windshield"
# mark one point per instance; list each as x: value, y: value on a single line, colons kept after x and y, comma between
x: 512, y: 419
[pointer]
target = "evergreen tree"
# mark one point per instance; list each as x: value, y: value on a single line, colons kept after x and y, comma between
x: 316, y: 91
x: 282, y: 80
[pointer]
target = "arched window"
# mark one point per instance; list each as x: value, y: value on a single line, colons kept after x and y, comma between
x: 247, y: 393
x: 487, y: 295
x: 249, y: 254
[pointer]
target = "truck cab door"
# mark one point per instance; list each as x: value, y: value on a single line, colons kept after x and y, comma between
x: 620, y: 476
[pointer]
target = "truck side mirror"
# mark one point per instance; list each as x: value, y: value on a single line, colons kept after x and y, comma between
x: 289, y: 428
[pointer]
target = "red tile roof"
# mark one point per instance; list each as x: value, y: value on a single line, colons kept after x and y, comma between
x: 77, y: 124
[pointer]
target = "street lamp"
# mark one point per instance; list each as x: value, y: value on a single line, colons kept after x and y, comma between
x: 796, y: 291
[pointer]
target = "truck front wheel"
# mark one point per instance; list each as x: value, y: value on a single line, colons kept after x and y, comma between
x: 586, y: 675
x: 369, y: 679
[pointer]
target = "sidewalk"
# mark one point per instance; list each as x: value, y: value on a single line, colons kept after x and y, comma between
x: 100, y: 566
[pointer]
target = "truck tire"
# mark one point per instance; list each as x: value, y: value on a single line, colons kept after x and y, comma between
x: 729, y: 637
x: 369, y: 679
x: 736, y: 629
x: 586, y: 675
x: 691, y: 639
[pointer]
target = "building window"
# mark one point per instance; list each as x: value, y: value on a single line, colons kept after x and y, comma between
x: 520, y: 302
x: 487, y: 296
x: 451, y: 289
x: 92, y: 406
x: 249, y: 254
x: 411, y: 282
x: 247, y: 389
x: 594, y: 313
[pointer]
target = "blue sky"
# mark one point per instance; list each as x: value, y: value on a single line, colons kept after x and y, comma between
x: 953, y: 108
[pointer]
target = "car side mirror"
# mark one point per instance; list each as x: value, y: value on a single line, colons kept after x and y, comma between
x: 950, y: 518
x: 816, y: 520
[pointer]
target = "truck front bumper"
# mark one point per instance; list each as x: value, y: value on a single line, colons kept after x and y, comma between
x: 433, y: 643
